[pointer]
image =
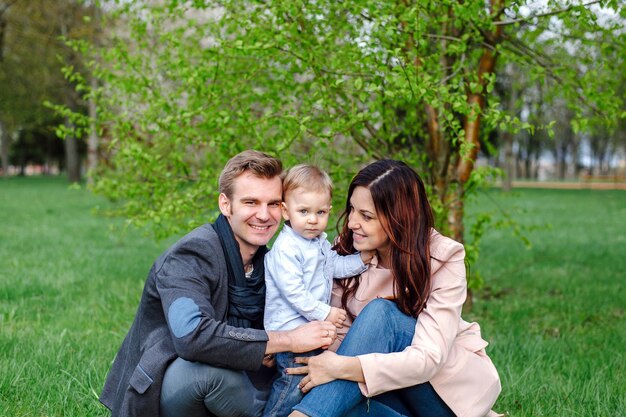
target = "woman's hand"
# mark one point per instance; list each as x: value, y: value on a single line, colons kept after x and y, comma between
x: 326, y: 367
x: 318, y: 370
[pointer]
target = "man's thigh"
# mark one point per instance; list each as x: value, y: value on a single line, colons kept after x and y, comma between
x: 194, y: 389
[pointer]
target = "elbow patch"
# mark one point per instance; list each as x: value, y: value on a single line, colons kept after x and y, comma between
x: 183, y: 316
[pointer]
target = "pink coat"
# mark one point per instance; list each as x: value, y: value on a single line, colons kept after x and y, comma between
x: 446, y: 350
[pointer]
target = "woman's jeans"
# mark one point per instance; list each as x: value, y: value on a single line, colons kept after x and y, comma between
x: 380, y: 328
x: 195, y: 389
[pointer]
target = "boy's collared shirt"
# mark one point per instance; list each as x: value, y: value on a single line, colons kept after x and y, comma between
x: 298, y: 277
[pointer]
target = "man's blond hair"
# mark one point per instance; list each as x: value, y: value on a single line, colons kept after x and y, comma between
x: 258, y: 163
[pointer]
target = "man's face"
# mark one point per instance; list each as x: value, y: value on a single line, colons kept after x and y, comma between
x: 254, y: 211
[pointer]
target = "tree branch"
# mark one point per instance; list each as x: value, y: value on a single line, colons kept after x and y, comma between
x: 550, y: 13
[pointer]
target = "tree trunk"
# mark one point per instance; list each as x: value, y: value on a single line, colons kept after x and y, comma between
x: 71, y: 156
x: 5, y: 142
x: 508, y: 140
x: 456, y: 213
x: 92, y: 142
x: 4, y: 135
x: 509, y: 163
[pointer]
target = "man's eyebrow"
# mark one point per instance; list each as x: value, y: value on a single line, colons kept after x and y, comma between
x: 256, y: 199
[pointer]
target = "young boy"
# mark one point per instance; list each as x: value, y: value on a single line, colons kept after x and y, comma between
x: 299, y: 271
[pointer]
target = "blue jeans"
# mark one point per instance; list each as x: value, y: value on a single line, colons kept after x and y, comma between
x: 195, y: 389
x: 380, y: 328
x: 285, y: 392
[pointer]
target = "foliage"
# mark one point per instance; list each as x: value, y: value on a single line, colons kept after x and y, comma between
x: 336, y: 83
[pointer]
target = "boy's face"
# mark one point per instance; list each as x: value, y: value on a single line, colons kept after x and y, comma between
x: 307, y: 211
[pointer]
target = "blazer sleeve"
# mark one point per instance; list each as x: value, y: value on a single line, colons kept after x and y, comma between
x: 186, y: 282
x: 435, y: 331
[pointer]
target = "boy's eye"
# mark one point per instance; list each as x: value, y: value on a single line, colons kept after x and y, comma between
x: 304, y: 212
x: 321, y: 213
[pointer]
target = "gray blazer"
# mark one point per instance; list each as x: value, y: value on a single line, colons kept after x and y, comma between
x: 193, y: 268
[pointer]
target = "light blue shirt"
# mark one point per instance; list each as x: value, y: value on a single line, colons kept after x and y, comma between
x: 299, y: 275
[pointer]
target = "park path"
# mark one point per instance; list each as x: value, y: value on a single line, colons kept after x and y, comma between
x: 580, y: 185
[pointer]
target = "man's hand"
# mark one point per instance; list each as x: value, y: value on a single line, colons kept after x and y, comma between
x: 304, y: 338
x: 269, y: 361
x: 336, y: 316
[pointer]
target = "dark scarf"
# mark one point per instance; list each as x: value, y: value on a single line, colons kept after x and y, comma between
x: 246, y: 296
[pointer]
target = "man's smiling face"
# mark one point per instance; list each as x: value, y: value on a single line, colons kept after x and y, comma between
x: 254, y: 211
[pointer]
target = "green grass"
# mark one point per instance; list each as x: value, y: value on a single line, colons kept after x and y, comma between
x: 69, y: 286
x: 553, y: 314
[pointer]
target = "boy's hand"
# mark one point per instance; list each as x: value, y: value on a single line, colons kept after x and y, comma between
x: 367, y: 255
x: 336, y: 316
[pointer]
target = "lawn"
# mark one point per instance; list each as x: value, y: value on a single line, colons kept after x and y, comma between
x: 553, y: 314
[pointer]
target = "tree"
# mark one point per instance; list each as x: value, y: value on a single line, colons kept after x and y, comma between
x: 191, y: 83
x: 30, y: 69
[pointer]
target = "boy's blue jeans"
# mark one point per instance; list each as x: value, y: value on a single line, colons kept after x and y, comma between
x: 380, y: 328
x: 285, y: 393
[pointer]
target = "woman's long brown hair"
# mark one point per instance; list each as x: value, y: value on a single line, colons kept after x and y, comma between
x: 406, y: 216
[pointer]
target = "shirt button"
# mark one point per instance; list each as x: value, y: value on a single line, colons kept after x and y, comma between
x: 231, y: 333
x: 238, y: 335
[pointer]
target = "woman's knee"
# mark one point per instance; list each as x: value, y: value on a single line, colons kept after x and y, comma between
x: 378, y: 307
x: 376, y: 313
x: 382, y: 322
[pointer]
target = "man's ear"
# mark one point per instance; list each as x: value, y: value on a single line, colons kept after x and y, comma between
x: 224, y: 204
x: 283, y: 207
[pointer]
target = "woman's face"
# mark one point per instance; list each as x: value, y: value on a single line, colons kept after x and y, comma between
x: 367, y: 231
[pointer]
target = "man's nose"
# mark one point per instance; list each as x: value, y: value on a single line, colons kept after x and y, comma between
x: 263, y: 212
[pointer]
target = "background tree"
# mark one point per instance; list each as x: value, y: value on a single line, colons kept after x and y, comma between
x: 31, y: 60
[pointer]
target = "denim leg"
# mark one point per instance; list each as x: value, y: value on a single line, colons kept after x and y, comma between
x: 285, y: 392
x: 380, y: 328
x: 194, y: 389
x: 422, y: 401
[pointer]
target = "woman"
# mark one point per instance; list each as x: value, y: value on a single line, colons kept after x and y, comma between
x: 408, y: 349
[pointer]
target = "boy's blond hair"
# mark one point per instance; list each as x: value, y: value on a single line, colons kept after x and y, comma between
x: 308, y: 177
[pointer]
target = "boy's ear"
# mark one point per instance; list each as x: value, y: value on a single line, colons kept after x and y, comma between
x: 283, y: 207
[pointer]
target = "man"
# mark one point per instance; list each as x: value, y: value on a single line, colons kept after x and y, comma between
x: 197, y: 345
